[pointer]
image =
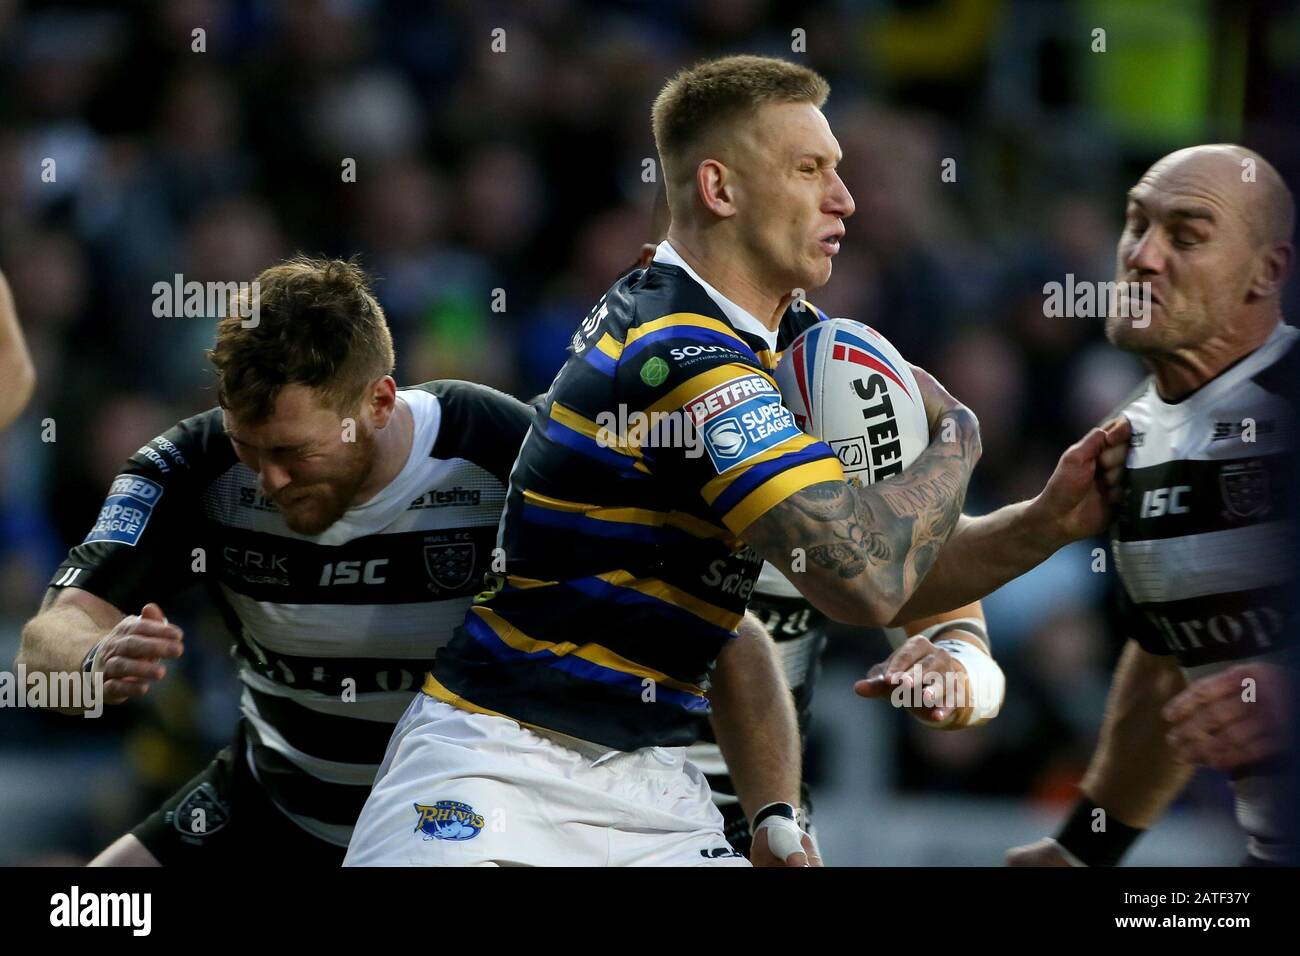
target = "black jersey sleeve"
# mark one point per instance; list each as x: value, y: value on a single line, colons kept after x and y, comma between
x: 479, y: 424
x: 149, y: 540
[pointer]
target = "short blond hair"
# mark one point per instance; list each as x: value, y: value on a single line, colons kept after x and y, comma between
x: 713, y: 93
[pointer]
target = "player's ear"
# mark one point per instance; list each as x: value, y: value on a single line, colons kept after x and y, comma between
x: 1272, y: 270
x: 713, y: 182
x: 382, y: 399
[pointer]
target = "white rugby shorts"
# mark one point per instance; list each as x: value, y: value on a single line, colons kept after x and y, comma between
x: 464, y: 789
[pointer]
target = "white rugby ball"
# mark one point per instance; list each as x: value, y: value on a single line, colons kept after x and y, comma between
x: 847, y: 385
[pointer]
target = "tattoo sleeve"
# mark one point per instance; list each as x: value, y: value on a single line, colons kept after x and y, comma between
x: 871, y: 543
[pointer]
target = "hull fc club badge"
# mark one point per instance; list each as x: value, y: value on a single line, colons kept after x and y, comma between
x: 450, y: 566
x: 1245, y: 489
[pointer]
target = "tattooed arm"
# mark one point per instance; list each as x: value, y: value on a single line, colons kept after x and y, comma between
x: 985, y: 553
x: 868, y: 547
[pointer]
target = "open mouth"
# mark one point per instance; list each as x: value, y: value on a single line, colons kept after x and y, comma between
x: 830, y: 243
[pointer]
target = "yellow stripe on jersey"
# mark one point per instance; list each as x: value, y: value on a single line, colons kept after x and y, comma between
x: 652, y: 587
x: 610, y: 346
x: 696, y: 527
x: 706, y: 381
x: 699, y: 528
x: 586, y: 427
x: 598, y: 512
x: 521, y: 582
x: 774, y: 491
x: 517, y: 639
x: 692, y: 319
x: 795, y: 443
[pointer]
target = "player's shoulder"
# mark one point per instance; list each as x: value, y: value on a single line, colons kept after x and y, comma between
x: 1281, y: 375
x: 195, y: 448
x: 476, y: 423
x: 457, y: 398
x: 800, y: 316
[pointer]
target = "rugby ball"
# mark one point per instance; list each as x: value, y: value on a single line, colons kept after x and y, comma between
x: 847, y: 385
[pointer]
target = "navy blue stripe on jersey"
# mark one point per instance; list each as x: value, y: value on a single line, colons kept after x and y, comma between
x: 577, y: 611
x: 762, y: 472
x: 688, y: 334
x: 579, y: 667
x: 561, y: 434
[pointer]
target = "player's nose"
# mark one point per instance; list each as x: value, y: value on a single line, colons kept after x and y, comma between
x: 1146, y: 255
x: 839, y: 201
x: 274, y: 477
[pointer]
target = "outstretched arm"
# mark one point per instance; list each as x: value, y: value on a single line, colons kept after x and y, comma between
x: 985, y: 553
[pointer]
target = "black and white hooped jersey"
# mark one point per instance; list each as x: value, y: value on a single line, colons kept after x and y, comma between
x: 1203, y: 544
x: 333, y: 631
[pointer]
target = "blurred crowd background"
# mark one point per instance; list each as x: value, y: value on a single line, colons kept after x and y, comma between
x: 522, y: 170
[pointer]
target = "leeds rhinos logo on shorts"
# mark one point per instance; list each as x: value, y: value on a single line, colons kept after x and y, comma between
x: 126, y: 510
x: 740, y: 420
x: 447, y: 820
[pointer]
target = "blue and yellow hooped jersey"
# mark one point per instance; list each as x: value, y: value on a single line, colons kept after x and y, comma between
x: 660, y: 441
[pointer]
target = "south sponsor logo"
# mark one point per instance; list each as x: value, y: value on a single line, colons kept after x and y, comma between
x: 689, y: 355
x: 741, y: 419
x: 447, y: 820
x: 130, y: 502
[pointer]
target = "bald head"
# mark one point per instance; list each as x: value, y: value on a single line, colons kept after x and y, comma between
x: 1245, y: 181
x: 1208, y: 233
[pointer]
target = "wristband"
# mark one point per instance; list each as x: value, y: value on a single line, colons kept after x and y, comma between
x: 972, y: 624
x: 774, y: 809
x: 1093, y: 847
x: 984, y: 678
x: 88, y: 662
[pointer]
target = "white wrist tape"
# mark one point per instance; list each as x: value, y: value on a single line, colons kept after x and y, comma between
x: 784, y: 838
x: 984, y: 679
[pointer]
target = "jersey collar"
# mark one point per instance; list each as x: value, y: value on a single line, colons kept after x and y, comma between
x: 737, y: 316
x: 1282, y: 338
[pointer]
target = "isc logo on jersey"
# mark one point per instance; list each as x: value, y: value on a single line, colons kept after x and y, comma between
x: 740, y: 419
x: 126, y: 510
